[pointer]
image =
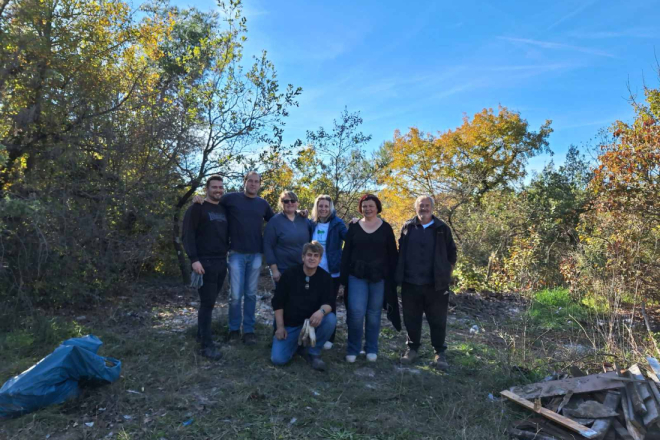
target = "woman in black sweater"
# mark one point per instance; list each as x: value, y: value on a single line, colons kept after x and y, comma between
x: 369, y: 257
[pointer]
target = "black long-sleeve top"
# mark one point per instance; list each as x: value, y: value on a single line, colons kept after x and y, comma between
x: 297, y: 302
x: 205, y: 231
x: 369, y: 256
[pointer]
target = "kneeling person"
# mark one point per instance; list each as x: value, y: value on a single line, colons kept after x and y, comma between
x: 303, y: 292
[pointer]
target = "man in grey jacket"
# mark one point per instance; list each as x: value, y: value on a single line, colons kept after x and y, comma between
x: 427, y: 255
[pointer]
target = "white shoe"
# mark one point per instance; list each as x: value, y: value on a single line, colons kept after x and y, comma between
x: 371, y: 357
x: 328, y: 345
x: 350, y: 358
x: 362, y: 352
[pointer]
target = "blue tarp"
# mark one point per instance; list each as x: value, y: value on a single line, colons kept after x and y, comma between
x: 56, y: 377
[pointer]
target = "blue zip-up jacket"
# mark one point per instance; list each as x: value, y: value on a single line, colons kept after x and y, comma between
x: 336, y: 234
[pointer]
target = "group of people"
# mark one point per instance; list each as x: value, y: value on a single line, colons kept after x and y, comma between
x: 311, y: 260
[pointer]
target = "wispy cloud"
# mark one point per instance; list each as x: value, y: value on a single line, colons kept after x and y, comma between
x: 571, y: 14
x: 558, y: 46
x: 626, y: 33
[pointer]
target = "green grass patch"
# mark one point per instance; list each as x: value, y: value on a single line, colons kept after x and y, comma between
x: 556, y: 309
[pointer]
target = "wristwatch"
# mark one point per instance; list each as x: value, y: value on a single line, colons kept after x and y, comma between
x: 323, y: 311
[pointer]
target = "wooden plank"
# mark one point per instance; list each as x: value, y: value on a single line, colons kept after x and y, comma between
x: 633, y: 428
x: 635, y: 396
x: 563, y: 421
x: 621, y: 431
x: 584, y: 384
x: 652, y: 410
x: 601, y: 426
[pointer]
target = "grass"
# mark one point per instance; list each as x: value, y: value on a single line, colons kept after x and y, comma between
x: 168, y: 391
x: 556, y: 309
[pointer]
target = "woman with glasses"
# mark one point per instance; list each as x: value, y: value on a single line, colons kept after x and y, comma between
x: 368, y: 261
x: 329, y: 231
x: 285, y: 235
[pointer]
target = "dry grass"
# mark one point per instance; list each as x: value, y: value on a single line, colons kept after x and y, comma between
x: 167, y: 391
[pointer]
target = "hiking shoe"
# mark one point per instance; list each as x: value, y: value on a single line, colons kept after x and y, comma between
x: 409, y: 357
x: 315, y: 362
x: 212, y: 353
x: 233, y: 337
x: 249, y: 339
x: 441, y: 362
x: 328, y: 345
x: 350, y: 358
x: 371, y: 357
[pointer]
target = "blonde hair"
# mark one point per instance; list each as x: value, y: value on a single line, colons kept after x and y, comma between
x: 315, y: 215
x: 283, y: 194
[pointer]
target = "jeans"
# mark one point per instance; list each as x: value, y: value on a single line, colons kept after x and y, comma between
x: 365, y: 298
x: 283, y: 350
x: 243, y: 275
x: 335, y: 290
x: 215, y: 272
x: 419, y: 300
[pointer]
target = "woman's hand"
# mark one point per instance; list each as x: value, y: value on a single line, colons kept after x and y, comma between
x: 276, y: 274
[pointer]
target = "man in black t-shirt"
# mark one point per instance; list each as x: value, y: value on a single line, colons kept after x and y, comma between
x: 303, y: 292
x: 205, y: 239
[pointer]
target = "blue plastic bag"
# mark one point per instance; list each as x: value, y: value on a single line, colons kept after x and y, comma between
x: 56, y: 377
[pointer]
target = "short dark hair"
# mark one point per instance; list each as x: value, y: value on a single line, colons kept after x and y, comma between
x: 314, y: 247
x: 373, y: 198
x: 213, y: 177
x: 249, y: 173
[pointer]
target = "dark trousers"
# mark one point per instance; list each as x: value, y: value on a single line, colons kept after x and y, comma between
x: 420, y: 300
x: 215, y: 272
x: 335, y: 290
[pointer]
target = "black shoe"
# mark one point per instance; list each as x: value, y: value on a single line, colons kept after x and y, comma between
x: 441, y: 362
x: 233, y: 337
x: 212, y: 353
x: 315, y: 362
x: 410, y: 356
x: 249, y: 339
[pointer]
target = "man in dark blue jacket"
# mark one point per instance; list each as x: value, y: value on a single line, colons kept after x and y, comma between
x: 206, y: 241
x: 427, y: 255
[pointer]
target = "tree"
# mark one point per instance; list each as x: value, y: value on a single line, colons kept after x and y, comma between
x: 336, y: 163
x: 231, y: 109
x: 458, y: 167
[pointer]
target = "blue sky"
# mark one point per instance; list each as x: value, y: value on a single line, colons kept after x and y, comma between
x: 427, y: 63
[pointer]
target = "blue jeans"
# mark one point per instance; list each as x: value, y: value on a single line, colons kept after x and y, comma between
x: 283, y: 350
x: 365, y: 299
x: 243, y: 278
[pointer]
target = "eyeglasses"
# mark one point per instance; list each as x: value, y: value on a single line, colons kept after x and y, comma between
x: 287, y: 201
x: 307, y: 281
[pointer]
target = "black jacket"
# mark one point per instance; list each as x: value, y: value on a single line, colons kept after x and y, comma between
x: 444, y: 254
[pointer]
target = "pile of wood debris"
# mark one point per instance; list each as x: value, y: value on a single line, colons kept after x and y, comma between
x: 618, y: 404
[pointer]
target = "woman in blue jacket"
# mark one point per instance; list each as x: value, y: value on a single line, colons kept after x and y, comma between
x: 329, y: 230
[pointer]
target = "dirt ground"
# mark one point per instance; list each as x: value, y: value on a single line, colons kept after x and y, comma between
x: 167, y: 391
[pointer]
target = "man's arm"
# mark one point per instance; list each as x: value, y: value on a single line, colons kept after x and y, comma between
x: 279, y: 302
x: 280, y: 330
x: 269, y: 212
x: 190, y: 225
x: 327, y: 298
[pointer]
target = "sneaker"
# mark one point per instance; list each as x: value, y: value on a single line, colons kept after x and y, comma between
x: 362, y: 352
x: 441, y: 362
x: 350, y: 358
x: 371, y: 357
x: 233, y: 337
x: 328, y: 345
x: 212, y: 353
x: 249, y: 339
x: 315, y: 362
